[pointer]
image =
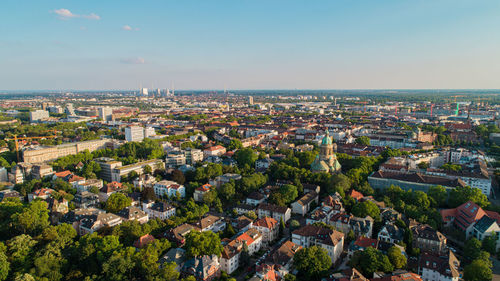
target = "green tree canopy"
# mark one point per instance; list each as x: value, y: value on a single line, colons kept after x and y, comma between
x: 202, y: 243
x: 312, y: 262
x: 117, y: 201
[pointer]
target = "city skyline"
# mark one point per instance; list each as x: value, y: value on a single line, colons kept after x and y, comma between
x: 57, y: 45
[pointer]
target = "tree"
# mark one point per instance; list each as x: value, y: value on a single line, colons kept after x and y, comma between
x: 178, y: 177
x: 251, y: 215
x: 438, y: 195
x: 148, y: 194
x: 4, y: 263
x: 245, y: 255
x: 366, y: 208
x: 235, y: 144
x: 20, y: 250
x: 282, y: 227
x: 371, y: 260
x: 227, y: 191
x: 461, y: 195
x: 396, y: 257
x: 245, y: 156
x: 472, y: 249
x: 363, y: 140
x: 117, y: 201
x: 489, y: 243
x: 290, y: 277
x: 312, y: 262
x: 478, y: 270
x: 339, y: 183
x: 33, y: 219
x: 289, y: 193
x: 202, y: 243
x: 147, y: 170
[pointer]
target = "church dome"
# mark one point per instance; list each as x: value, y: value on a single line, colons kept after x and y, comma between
x: 327, y: 139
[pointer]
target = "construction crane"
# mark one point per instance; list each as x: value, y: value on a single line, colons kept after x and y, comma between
x: 432, y: 107
x: 16, y: 140
x: 363, y: 102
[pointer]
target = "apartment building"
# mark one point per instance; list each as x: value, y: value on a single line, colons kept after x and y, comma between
x: 119, y: 172
x: 331, y: 241
x: 43, y: 154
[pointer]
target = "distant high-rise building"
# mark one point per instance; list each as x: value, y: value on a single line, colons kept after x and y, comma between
x: 70, y: 110
x: 106, y: 113
x: 143, y: 91
x: 134, y: 133
x: 39, y: 115
x: 158, y: 93
x: 250, y: 100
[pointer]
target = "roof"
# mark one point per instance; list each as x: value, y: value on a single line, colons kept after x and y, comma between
x: 447, y: 265
x: 307, y: 198
x: 266, y: 222
x: 419, y: 178
x: 207, y: 221
x: 143, y: 241
x: 355, y: 194
x: 285, y: 252
x: 424, y: 231
x: 325, y: 235
x: 484, y: 224
x: 467, y: 214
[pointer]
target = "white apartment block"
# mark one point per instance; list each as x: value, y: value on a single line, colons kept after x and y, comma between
x: 39, y: 115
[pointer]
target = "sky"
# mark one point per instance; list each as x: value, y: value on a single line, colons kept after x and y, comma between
x: 249, y: 44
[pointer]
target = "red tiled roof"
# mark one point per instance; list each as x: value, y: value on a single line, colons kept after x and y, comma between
x: 266, y: 222
x: 355, y: 194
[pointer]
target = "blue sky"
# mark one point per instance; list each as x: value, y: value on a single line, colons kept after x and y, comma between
x: 254, y: 44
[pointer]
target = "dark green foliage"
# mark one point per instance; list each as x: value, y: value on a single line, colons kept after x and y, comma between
x: 312, y: 262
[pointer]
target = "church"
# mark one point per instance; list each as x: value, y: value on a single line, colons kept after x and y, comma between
x: 326, y: 161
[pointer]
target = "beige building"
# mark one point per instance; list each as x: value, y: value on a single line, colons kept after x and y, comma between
x: 43, y: 154
x: 119, y: 172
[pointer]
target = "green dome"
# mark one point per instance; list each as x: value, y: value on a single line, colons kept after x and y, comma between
x: 327, y: 139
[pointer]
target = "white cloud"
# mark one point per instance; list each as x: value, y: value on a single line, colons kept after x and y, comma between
x: 129, y: 28
x: 66, y: 14
x: 137, y: 60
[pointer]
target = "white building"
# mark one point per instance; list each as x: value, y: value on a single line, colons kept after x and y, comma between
x: 106, y: 113
x: 39, y: 115
x: 159, y: 210
x: 331, y: 241
x: 134, y: 133
x: 269, y: 228
x: 169, y: 188
x: 230, y: 259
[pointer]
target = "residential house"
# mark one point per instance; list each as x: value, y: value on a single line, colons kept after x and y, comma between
x: 42, y: 193
x: 439, y: 267
x: 210, y: 223
x: 134, y: 213
x: 177, y: 255
x: 178, y: 234
x: 465, y: 216
x: 274, y: 211
x: 361, y: 244
x: 93, y: 223
x: 263, y: 164
x: 484, y: 227
x: 169, y: 188
x: 221, y: 180
x: 160, y: 210
x: 86, y: 199
x: 230, y: 259
x: 199, y: 192
x: 331, y: 241
x: 217, y: 150
x: 269, y: 228
x: 88, y: 184
x: 204, y: 268
x: 109, y: 189
x: 143, y: 241
x: 391, y: 233
x: 283, y: 256
x: 303, y: 205
x: 427, y: 239
x: 255, y: 198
